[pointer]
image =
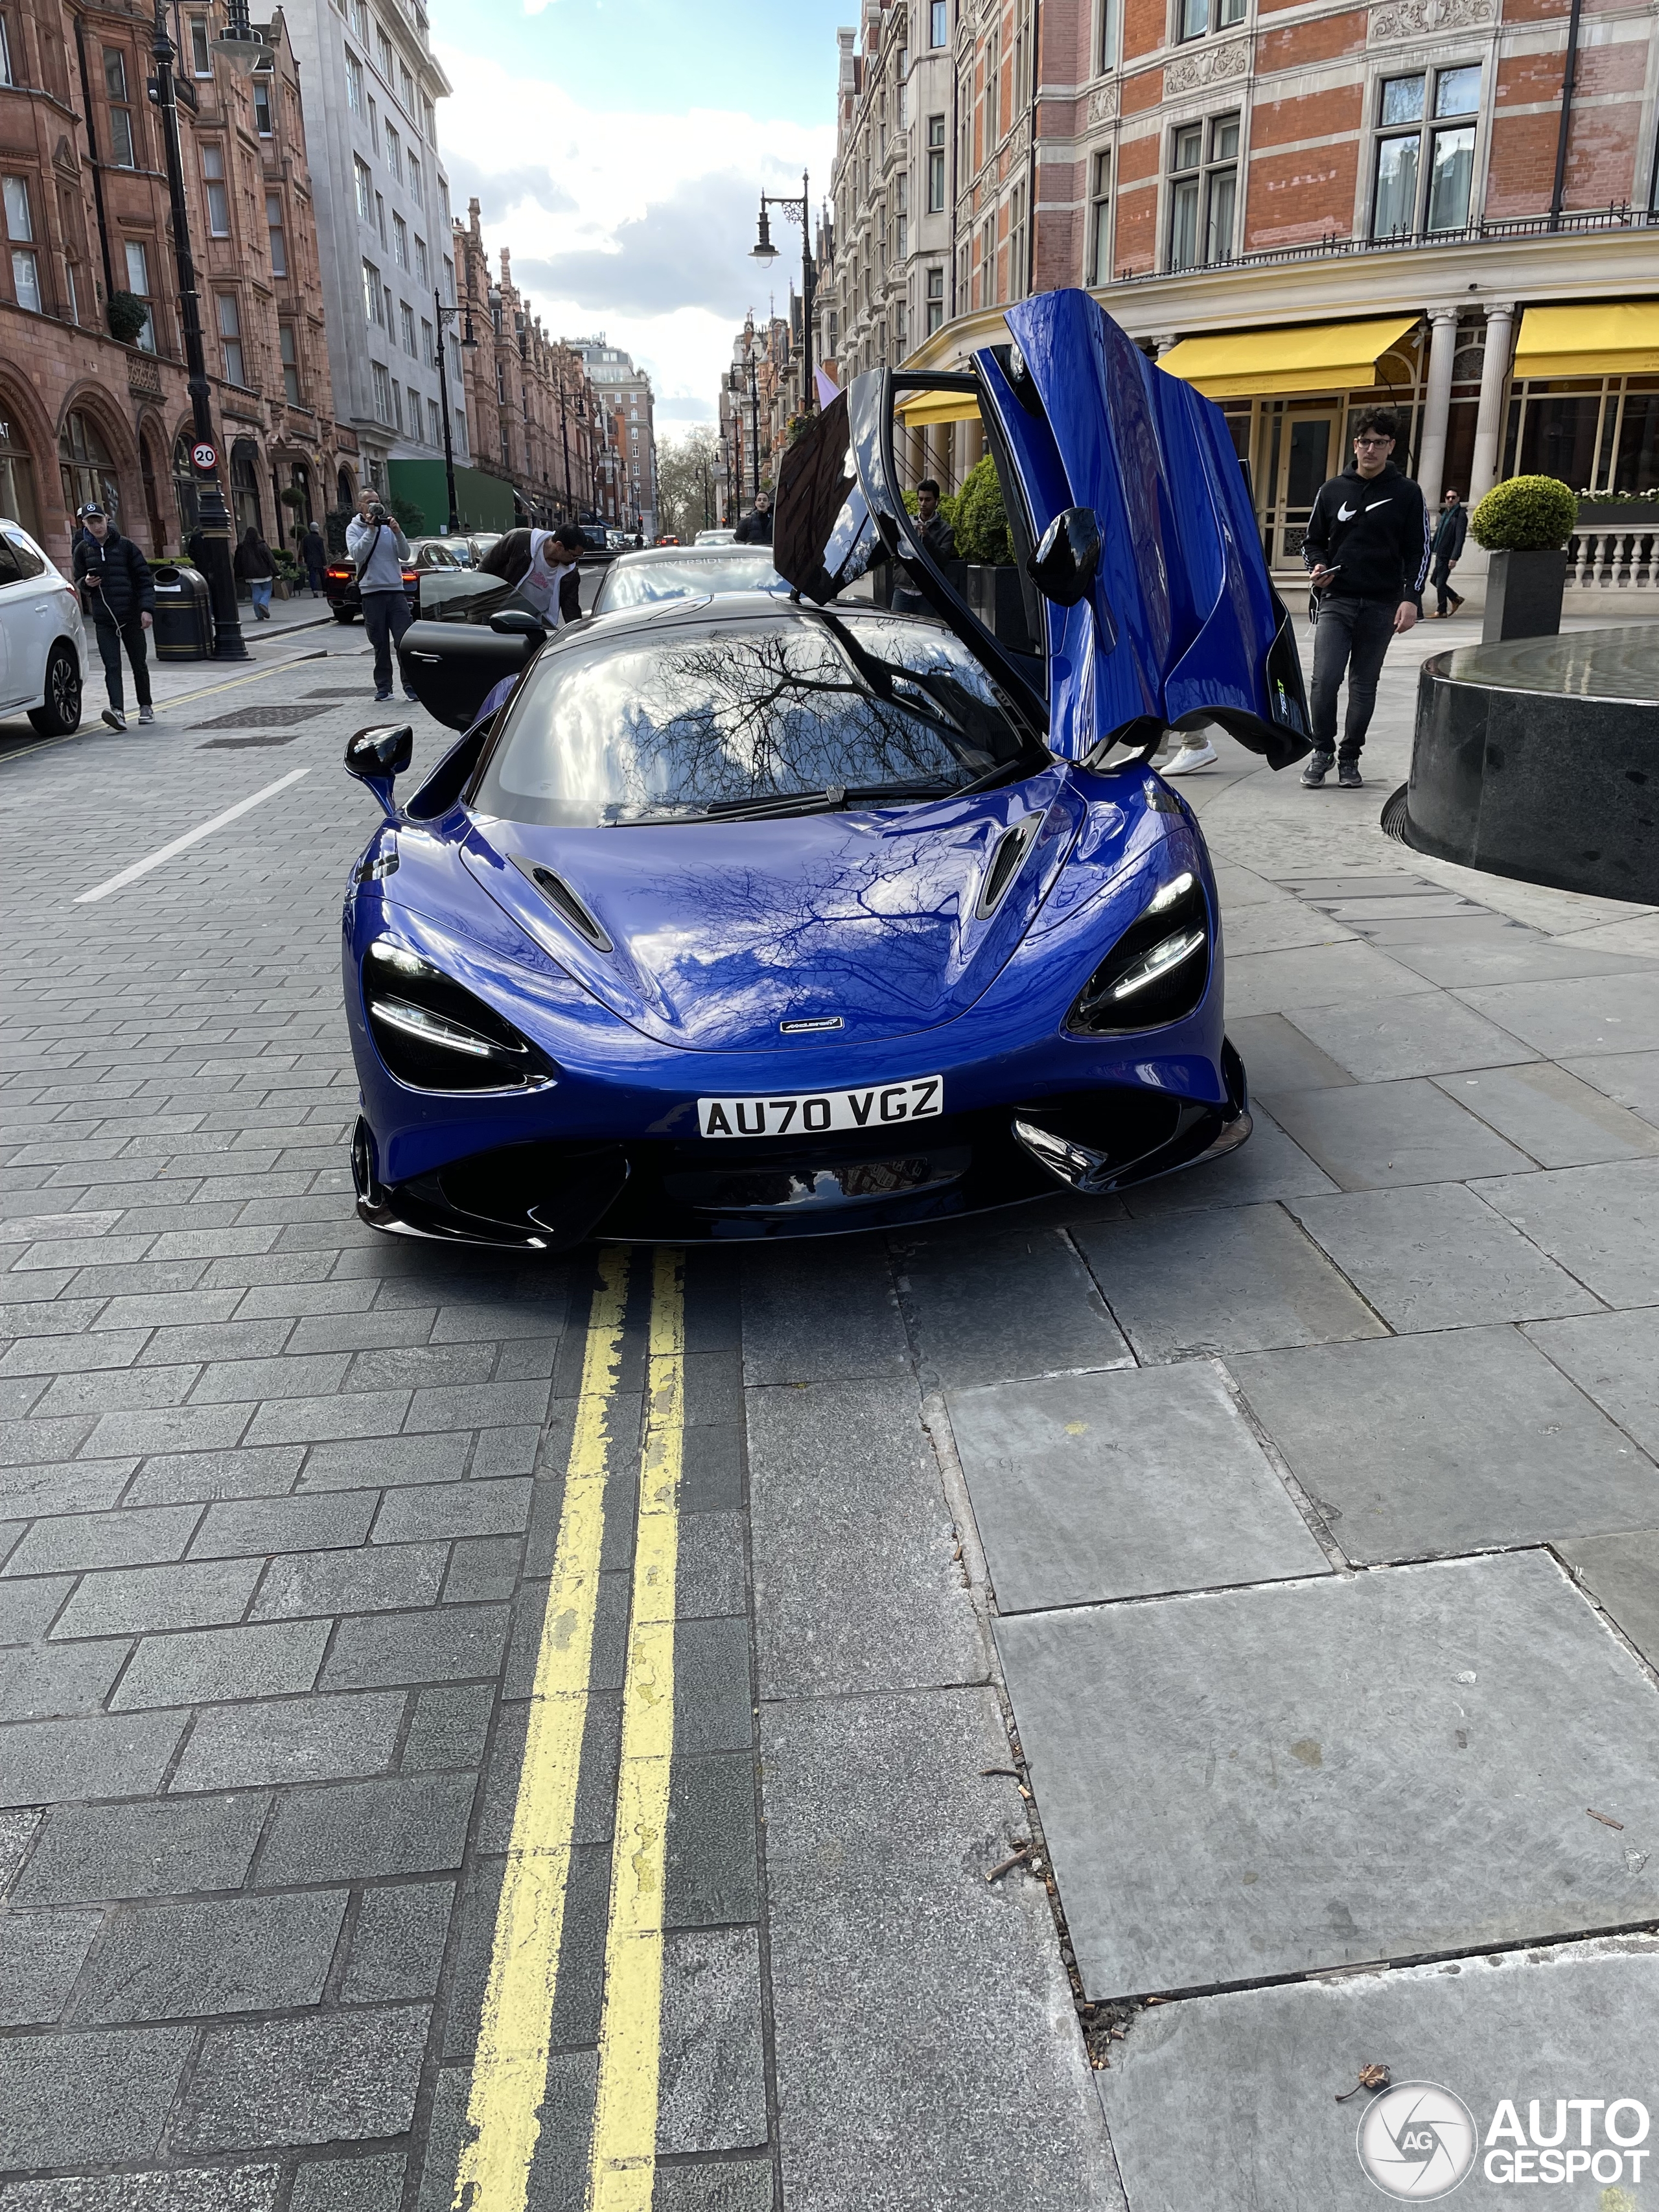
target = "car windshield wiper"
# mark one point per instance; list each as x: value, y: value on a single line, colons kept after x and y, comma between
x: 829, y: 800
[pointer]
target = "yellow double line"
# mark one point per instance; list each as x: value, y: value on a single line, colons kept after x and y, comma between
x: 509, y: 2074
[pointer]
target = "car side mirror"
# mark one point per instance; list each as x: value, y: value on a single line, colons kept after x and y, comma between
x: 1063, y: 567
x: 519, y: 622
x: 378, y: 755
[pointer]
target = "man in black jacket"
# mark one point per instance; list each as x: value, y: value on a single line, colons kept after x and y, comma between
x: 118, y: 592
x: 756, y: 528
x: 1451, y: 528
x: 1367, y: 548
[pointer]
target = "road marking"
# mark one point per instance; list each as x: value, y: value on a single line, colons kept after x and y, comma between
x: 622, y: 2164
x: 191, y: 837
x: 509, y: 2071
x: 179, y: 699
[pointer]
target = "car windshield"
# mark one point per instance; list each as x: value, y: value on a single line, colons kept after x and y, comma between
x: 638, y: 583
x: 436, y: 553
x: 768, y: 713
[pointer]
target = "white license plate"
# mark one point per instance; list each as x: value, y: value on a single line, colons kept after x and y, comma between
x: 815, y: 1113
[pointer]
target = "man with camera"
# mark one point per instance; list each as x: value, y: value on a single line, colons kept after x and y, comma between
x: 378, y: 550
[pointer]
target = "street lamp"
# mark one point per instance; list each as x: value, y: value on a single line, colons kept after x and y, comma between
x: 796, y: 210
x: 446, y: 315
x: 212, y: 517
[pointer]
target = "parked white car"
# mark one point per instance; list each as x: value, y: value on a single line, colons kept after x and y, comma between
x: 43, y: 639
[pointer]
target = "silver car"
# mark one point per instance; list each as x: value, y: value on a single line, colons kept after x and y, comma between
x: 685, y: 572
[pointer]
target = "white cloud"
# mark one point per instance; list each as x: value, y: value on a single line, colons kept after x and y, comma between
x: 637, y: 224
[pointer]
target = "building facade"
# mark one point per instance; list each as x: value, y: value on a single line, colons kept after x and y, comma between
x: 92, y: 399
x: 371, y: 88
x: 1303, y: 206
x: 629, y: 405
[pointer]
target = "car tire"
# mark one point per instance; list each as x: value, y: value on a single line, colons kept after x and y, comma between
x: 59, y: 714
x: 345, y: 614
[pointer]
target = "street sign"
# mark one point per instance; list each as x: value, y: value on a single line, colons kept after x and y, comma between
x: 205, y: 458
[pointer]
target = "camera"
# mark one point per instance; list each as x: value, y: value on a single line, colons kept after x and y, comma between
x: 378, y: 513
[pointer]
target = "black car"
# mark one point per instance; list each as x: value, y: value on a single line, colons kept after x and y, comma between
x: 425, y: 555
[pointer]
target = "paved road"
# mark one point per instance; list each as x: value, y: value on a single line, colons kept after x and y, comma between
x: 541, y: 1734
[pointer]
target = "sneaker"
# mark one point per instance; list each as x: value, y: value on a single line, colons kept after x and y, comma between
x: 147, y: 715
x: 414, y: 697
x: 115, y: 718
x: 1319, y: 767
x: 1192, y: 756
x: 1348, y: 776
x: 380, y: 697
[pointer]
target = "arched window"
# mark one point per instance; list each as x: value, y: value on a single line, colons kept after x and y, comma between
x: 345, y: 490
x: 184, y: 489
x: 87, y: 470
x: 17, y: 478
x: 244, y: 487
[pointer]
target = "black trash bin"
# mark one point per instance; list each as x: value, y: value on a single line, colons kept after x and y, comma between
x: 183, y: 615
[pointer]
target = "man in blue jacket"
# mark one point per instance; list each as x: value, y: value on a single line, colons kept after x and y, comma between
x: 1367, y: 547
x: 118, y: 592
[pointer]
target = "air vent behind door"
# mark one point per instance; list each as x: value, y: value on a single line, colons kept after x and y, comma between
x: 1012, y: 848
x: 564, y: 903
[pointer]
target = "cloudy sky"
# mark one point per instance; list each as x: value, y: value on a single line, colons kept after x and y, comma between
x: 619, y: 148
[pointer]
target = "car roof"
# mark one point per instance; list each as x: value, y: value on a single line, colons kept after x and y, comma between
x: 655, y: 614
x: 656, y: 554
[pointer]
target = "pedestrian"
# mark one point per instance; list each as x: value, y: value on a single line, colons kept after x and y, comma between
x: 938, y: 537
x: 196, y: 546
x: 1367, y: 550
x: 314, y: 554
x: 541, y: 565
x: 1451, y: 528
x: 378, y: 550
x: 255, y: 568
x: 756, y: 528
x: 118, y: 592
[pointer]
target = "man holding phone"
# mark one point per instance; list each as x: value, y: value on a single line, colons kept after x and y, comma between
x: 378, y: 548
x: 1367, y: 550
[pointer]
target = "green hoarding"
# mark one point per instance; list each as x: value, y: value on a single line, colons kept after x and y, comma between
x: 481, y: 502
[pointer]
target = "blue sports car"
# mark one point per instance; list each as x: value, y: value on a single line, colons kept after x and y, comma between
x: 749, y: 916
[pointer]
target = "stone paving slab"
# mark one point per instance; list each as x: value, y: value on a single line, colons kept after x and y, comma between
x: 1614, y: 1358
x: 1630, y: 1077
x: 1423, y: 1445
x: 1270, y: 1166
x: 1621, y: 1573
x: 1375, y: 1135
x: 1087, y: 1487
x: 1600, y: 1223
x: 1604, y: 1013
x: 988, y: 1304
x: 1425, y: 1035
x: 1560, y: 1121
x: 1270, y: 1781
x: 1231, y: 2101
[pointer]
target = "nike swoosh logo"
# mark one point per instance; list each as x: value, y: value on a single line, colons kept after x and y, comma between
x: 1347, y: 513
x: 1375, y: 504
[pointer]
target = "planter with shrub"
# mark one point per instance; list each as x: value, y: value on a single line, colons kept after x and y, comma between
x: 1525, y: 524
x: 126, y: 314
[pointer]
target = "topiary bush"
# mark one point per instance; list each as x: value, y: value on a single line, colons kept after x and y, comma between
x: 981, y: 520
x: 334, y: 530
x: 126, y: 314
x: 1528, y: 514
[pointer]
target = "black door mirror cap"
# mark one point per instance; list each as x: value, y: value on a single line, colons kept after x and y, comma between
x: 1064, y: 565
x: 381, y: 752
x: 518, y: 622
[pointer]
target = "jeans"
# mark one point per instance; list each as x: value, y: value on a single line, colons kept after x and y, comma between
x: 314, y: 578
x: 111, y: 639
x: 1352, y: 636
x: 386, y: 617
x: 259, y: 593
x: 1441, y: 579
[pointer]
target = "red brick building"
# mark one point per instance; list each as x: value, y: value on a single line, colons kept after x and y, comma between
x: 1302, y: 205
x: 83, y: 191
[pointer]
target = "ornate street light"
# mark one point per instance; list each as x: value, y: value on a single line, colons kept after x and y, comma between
x: 764, y: 251
x: 470, y: 342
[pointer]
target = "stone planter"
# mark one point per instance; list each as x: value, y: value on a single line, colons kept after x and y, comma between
x: 1617, y: 514
x: 1523, y: 595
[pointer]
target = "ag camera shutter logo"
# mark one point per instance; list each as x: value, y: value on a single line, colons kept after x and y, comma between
x: 1417, y: 2142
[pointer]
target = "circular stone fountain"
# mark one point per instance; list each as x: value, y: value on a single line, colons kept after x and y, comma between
x: 1540, y: 758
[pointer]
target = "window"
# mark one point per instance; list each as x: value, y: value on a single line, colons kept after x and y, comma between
x: 902, y: 216
x: 434, y: 424
x: 460, y: 431
x: 115, y: 73
x: 86, y: 467
x: 423, y: 273
x: 380, y: 216
x: 397, y: 406
x: 449, y: 281
x: 122, y: 149
x: 400, y: 241
x: 201, y: 54
x: 405, y: 85
x: 137, y: 261
x: 285, y: 347
x: 935, y: 300
x: 1100, y: 219
x: 373, y: 124
x: 262, y: 107
x: 274, y: 233
x: 354, y: 76
x: 429, y: 344
x: 428, y: 120
x: 382, y: 393
x: 20, y: 229
x: 1109, y: 35
x: 218, y: 199
x: 230, y: 337
x: 1016, y: 243
x: 394, y: 154
x: 359, y: 19
x: 1413, y: 193
x: 383, y: 54
x: 1203, y: 191
x: 935, y: 164
x: 365, y: 176
x: 415, y: 188
x: 939, y: 23
x: 372, y: 307
x: 407, y: 328
x: 1198, y: 16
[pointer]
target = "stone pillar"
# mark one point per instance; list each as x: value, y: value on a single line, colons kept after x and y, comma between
x: 1436, y: 410
x: 1489, y: 416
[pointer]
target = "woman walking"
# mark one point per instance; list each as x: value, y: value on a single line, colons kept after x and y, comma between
x: 256, y: 569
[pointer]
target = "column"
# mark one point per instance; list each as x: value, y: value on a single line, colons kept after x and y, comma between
x: 1489, y: 416
x: 1431, y: 445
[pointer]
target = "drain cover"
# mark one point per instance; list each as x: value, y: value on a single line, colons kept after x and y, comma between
x: 254, y: 718
x: 234, y: 745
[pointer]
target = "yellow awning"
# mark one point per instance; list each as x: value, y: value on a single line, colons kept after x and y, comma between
x: 920, y: 410
x: 1318, y: 357
x: 1621, y: 340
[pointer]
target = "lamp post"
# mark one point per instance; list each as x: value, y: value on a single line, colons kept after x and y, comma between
x: 795, y: 210
x: 447, y: 315
x: 241, y: 49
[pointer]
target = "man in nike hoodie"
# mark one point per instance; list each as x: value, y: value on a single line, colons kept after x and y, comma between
x: 1367, y: 548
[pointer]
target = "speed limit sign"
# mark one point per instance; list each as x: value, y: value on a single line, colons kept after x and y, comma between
x: 205, y: 456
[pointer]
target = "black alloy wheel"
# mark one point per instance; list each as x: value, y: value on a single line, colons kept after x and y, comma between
x: 59, y: 715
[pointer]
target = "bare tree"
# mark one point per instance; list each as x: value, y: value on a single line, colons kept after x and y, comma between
x: 685, y: 482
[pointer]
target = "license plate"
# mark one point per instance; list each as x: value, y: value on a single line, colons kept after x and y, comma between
x: 817, y: 1113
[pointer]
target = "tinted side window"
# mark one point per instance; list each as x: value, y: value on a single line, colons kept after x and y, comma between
x: 11, y: 569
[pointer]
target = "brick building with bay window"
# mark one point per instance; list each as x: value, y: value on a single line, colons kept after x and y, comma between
x: 1303, y: 206
x: 89, y: 414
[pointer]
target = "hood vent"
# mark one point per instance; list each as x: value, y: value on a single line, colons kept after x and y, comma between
x: 1014, y: 845
x: 565, y: 904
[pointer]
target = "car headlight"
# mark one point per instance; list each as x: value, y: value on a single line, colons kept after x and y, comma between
x: 435, y: 1035
x: 1157, y: 970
